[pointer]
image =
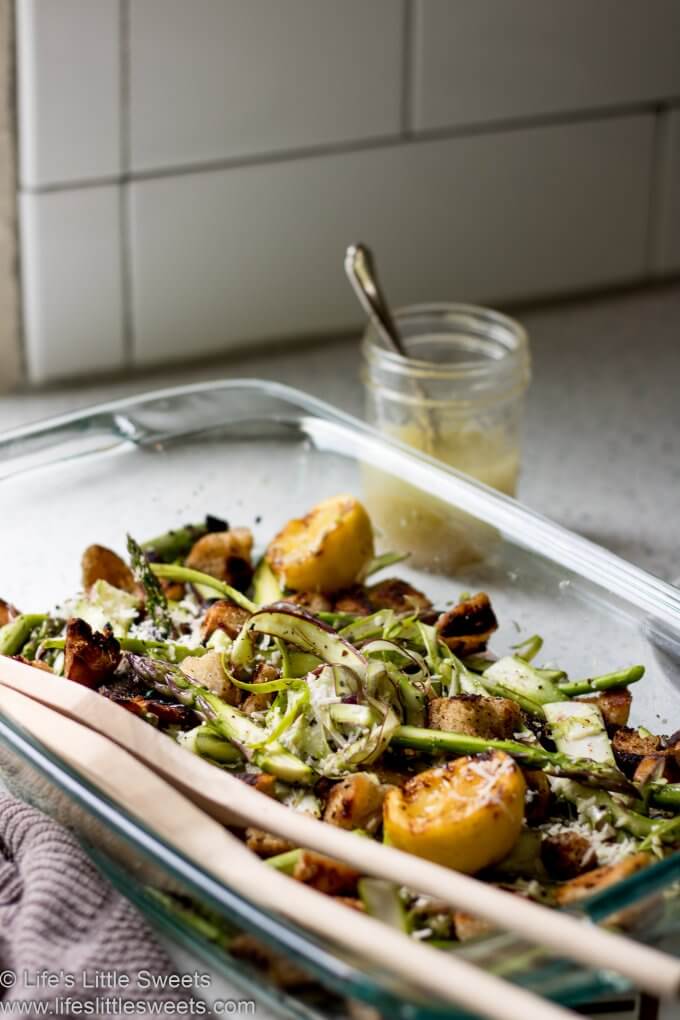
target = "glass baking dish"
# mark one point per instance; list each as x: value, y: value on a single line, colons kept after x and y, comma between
x: 259, y: 453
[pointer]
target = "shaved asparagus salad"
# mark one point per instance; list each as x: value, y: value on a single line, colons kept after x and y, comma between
x: 359, y: 702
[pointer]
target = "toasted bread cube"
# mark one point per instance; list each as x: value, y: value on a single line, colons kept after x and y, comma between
x: 266, y: 844
x: 476, y: 715
x: 467, y: 627
x: 224, y: 615
x: 101, y: 564
x: 224, y: 555
x: 599, y: 878
x: 538, y: 796
x: 353, y: 600
x: 654, y: 767
x: 355, y: 802
x: 207, y: 671
x: 567, y: 854
x: 312, y: 601
x: 614, y: 706
x: 398, y: 595
x: 326, y: 875
x: 630, y: 747
x: 89, y: 656
x: 7, y: 612
x: 468, y: 926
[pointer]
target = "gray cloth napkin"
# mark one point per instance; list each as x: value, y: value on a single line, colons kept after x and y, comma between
x: 58, y: 915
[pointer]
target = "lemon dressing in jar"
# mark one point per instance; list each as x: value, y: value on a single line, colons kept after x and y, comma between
x: 458, y: 397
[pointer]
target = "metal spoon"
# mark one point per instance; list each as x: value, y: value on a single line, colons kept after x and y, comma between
x: 361, y: 273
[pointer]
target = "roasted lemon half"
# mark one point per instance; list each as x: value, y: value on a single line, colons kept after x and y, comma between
x: 326, y: 549
x: 466, y: 814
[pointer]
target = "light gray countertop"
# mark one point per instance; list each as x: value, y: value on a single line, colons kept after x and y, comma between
x: 602, y: 435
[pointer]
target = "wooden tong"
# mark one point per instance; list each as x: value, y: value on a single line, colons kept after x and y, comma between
x: 231, y: 801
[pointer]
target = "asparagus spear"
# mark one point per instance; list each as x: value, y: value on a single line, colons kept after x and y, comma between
x: 155, y: 600
x: 621, y: 678
x: 665, y: 795
x: 156, y: 649
x: 175, y: 572
x: 208, y: 744
x: 553, y: 762
x: 229, y: 722
x: 16, y: 633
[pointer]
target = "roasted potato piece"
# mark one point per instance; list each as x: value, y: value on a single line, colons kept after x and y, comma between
x: 538, y: 796
x: 7, y: 612
x: 207, y: 670
x: 466, y: 814
x: 567, y: 854
x: 355, y: 802
x: 325, y: 550
x: 223, y: 615
x: 467, y: 627
x: 266, y: 844
x: 325, y: 874
x: 614, y: 706
x: 101, y: 564
x: 312, y: 601
x: 353, y: 600
x: 599, y: 878
x: 630, y: 747
x: 476, y: 715
x: 89, y: 656
x: 468, y: 926
x: 224, y: 555
x: 398, y: 595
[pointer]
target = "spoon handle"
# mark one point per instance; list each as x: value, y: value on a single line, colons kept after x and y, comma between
x: 362, y: 274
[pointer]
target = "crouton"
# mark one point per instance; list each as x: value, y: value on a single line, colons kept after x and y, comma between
x: 7, y: 612
x: 567, y: 854
x: 476, y: 715
x: 653, y: 767
x: 36, y: 663
x: 355, y: 802
x: 467, y: 626
x: 538, y: 796
x: 599, y: 878
x: 224, y: 555
x: 263, y: 782
x: 89, y: 657
x: 312, y: 601
x: 163, y: 712
x: 207, y: 671
x: 614, y: 706
x: 354, y: 600
x: 467, y: 926
x: 398, y: 595
x: 279, y: 970
x: 630, y: 747
x: 224, y: 615
x: 266, y: 844
x: 255, y: 702
x: 325, y: 875
x: 352, y: 902
x: 101, y: 564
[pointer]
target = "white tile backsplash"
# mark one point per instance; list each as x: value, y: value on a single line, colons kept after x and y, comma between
x: 68, y: 69
x: 218, y: 79
x: 666, y: 236
x: 253, y: 253
x: 72, y: 282
x: 490, y: 60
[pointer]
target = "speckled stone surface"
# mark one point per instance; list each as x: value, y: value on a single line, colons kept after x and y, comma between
x: 602, y: 437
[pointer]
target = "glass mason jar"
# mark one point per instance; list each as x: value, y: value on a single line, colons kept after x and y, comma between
x: 459, y: 396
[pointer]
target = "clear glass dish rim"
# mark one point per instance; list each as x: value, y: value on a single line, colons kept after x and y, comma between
x: 527, y: 528
x: 530, y: 529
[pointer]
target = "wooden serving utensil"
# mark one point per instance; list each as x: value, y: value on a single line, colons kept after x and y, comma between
x: 187, y: 829
x: 229, y: 800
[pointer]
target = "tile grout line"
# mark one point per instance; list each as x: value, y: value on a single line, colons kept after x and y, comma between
x: 123, y: 190
x: 358, y: 146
